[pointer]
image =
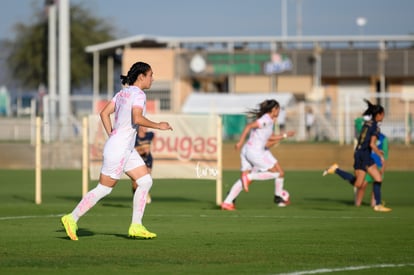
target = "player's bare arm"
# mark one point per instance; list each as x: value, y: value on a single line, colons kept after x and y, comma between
x: 246, y: 130
x: 141, y: 120
x: 105, y: 115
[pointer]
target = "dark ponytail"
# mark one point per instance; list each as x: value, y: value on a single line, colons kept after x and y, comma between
x: 133, y: 73
x: 264, y: 107
x: 372, y: 109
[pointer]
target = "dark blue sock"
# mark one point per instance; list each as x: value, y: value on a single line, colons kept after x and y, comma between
x: 377, y: 192
x: 346, y: 176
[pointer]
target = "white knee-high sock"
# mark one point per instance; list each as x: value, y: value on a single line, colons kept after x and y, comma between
x: 279, y: 186
x: 140, y: 198
x: 263, y: 175
x: 90, y: 199
x: 234, y: 191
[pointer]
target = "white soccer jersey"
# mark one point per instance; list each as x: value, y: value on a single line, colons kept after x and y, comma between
x: 259, y: 136
x: 253, y: 154
x: 120, y: 145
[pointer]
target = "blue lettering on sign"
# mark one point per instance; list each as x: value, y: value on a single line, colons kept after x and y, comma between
x: 278, y: 67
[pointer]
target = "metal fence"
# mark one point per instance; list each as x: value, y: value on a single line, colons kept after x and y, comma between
x: 338, y: 124
x: 334, y: 125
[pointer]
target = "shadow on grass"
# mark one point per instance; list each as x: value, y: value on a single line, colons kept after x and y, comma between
x: 81, y: 232
x: 175, y: 199
x: 125, y: 237
x: 111, y: 199
x: 330, y: 200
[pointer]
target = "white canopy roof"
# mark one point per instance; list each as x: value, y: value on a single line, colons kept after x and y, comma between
x: 220, y: 103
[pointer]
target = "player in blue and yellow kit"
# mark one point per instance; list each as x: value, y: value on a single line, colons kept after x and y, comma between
x: 363, y: 162
x: 382, y: 144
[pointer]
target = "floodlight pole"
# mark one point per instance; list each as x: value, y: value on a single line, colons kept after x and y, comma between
x: 64, y: 67
x: 284, y: 18
x: 52, y: 71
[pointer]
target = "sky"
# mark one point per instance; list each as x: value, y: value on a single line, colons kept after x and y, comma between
x: 181, y: 18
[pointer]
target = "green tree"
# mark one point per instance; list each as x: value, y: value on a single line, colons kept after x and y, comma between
x: 27, y: 61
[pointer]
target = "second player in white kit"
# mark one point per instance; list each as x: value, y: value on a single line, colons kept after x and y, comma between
x: 257, y: 162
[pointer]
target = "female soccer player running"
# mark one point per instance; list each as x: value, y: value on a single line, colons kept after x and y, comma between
x: 257, y: 162
x: 382, y: 144
x: 363, y: 161
x: 119, y: 155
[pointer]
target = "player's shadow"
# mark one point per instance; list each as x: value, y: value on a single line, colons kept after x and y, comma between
x: 110, y: 201
x: 126, y: 201
x: 327, y: 200
x: 125, y: 237
x: 70, y: 198
x: 117, y: 201
x: 81, y: 232
x: 175, y: 199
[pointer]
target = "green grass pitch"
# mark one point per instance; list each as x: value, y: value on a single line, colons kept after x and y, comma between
x: 321, y: 231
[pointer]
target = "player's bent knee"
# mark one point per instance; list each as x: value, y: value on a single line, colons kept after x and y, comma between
x: 280, y: 173
x: 103, y: 189
x: 145, y: 182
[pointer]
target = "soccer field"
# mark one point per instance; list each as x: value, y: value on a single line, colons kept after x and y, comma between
x: 320, y: 232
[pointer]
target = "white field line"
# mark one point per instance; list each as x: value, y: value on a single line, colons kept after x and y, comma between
x: 350, y: 268
x: 30, y: 217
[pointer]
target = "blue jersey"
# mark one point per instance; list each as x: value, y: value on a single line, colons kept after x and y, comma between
x: 382, y: 145
x: 369, y: 130
x: 362, y: 155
